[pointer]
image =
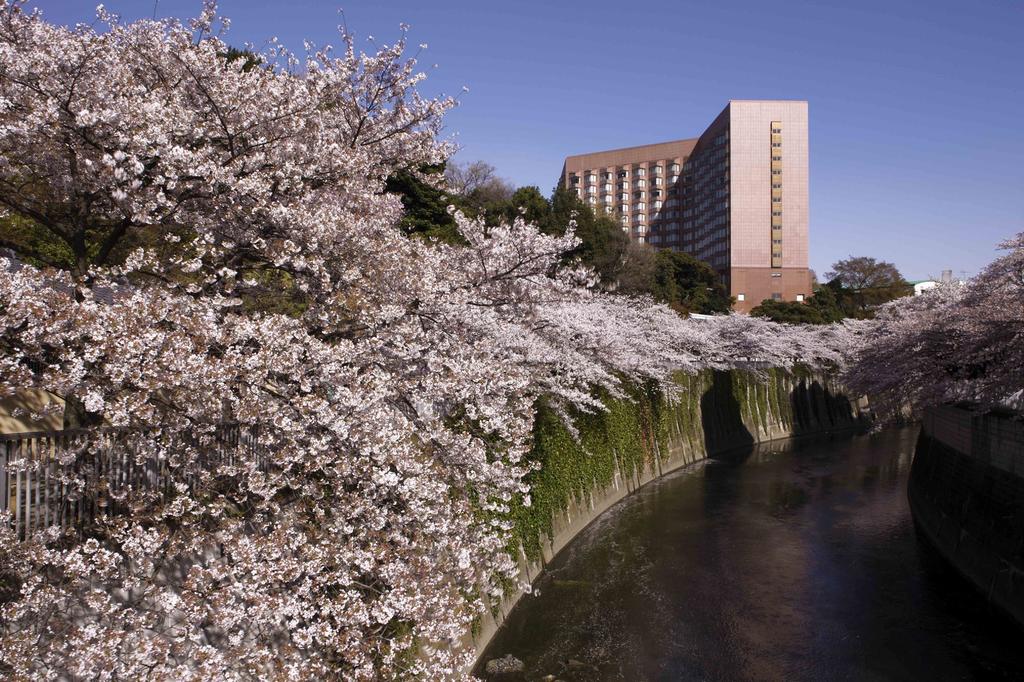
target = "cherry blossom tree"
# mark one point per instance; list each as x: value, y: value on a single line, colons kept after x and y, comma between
x: 393, y: 403
x: 957, y: 342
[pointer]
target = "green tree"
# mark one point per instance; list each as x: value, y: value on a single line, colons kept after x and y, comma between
x: 638, y: 270
x: 602, y: 242
x: 788, y: 311
x: 251, y: 59
x: 530, y: 204
x: 681, y: 281
x: 825, y: 301
x: 688, y: 284
x: 862, y: 283
x: 675, y: 278
x: 34, y: 243
x: 820, y: 308
x: 426, y: 206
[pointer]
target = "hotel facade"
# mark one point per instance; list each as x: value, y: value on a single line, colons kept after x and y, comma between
x: 734, y: 197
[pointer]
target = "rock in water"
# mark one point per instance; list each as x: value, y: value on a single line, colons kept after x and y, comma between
x: 506, y: 665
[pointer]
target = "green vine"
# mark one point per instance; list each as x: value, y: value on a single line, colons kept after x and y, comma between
x: 642, y: 427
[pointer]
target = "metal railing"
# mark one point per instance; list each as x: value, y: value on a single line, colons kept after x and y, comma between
x: 68, y: 478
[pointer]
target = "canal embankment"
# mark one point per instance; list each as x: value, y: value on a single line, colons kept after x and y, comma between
x: 966, y: 493
x: 600, y: 457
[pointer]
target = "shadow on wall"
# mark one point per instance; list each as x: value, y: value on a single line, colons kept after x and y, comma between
x: 31, y: 410
x: 816, y: 408
x: 721, y: 415
x: 739, y: 409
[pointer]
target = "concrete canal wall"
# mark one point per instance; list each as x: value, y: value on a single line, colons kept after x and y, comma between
x: 967, y: 496
x: 647, y: 434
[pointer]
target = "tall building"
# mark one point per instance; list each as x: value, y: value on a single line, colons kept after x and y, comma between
x: 735, y: 197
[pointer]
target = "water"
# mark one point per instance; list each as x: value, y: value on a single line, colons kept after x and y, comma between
x: 792, y: 561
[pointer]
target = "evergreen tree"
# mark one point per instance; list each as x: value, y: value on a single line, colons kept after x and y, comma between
x: 822, y: 307
x: 426, y: 206
x: 788, y: 311
x: 689, y: 284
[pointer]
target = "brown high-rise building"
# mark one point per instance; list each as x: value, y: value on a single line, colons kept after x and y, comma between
x: 735, y: 197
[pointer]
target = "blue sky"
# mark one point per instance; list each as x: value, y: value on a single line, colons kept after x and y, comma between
x: 916, y: 108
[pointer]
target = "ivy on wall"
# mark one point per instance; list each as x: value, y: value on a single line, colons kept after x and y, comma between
x: 645, y: 425
x: 624, y: 438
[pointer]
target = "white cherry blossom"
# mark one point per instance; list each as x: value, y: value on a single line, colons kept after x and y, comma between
x: 393, y: 407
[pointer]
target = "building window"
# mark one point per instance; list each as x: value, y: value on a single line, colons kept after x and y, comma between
x: 591, y: 200
x: 606, y: 175
x: 640, y: 183
x: 776, y: 200
x: 674, y: 168
x: 776, y: 185
x: 623, y: 174
x: 799, y: 298
x: 776, y: 171
x: 623, y: 197
x: 776, y: 144
x: 639, y: 218
x: 591, y: 179
x: 741, y: 297
x: 640, y: 172
x: 608, y: 187
x: 655, y: 170
x: 776, y: 213
x: 776, y: 274
x: 574, y: 179
x: 776, y: 297
x: 776, y: 157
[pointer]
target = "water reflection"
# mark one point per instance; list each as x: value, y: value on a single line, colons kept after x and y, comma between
x: 787, y: 561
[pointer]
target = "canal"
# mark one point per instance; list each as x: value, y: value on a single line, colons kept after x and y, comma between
x: 795, y: 560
